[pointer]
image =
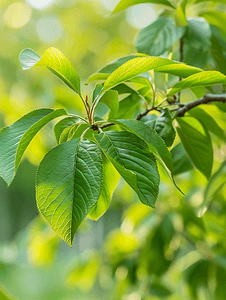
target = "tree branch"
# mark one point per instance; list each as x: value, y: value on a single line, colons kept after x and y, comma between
x: 204, y: 100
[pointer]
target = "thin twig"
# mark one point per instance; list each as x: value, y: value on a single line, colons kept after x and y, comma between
x: 204, y: 100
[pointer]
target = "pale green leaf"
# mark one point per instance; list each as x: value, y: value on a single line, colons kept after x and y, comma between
x: 133, y: 68
x: 197, y: 143
x: 159, y: 36
x: 123, y: 4
x: 216, y: 18
x: 180, y: 15
x: 200, y: 79
x: 15, y: 138
x: 56, y: 62
x: 131, y: 157
x: 68, y: 185
x: 208, y: 121
x: 181, y: 70
x: 109, y: 183
x: 110, y: 98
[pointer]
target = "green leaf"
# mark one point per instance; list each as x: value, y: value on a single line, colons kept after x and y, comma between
x: 96, y: 91
x: 208, y: 122
x: 109, y: 183
x: 197, y: 143
x: 15, y: 138
x: 56, y: 62
x: 68, y: 185
x: 198, y: 33
x: 62, y: 124
x: 159, y: 290
x: 127, y: 107
x: 149, y: 120
x: 180, y: 70
x: 218, y: 55
x: 154, y: 141
x: 131, y: 157
x: 181, y: 162
x: 180, y: 15
x: 110, y: 98
x: 216, y: 182
x: 133, y: 68
x: 201, y: 79
x: 164, y: 127
x: 123, y: 4
x: 159, y: 36
x: 216, y: 18
x: 69, y: 132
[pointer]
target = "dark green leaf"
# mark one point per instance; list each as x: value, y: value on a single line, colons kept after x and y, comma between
x: 164, y: 127
x: 218, y: 55
x: 208, y: 121
x: 197, y: 143
x: 68, y: 185
x: 15, y: 138
x: 131, y: 157
x: 159, y: 36
x: 181, y: 162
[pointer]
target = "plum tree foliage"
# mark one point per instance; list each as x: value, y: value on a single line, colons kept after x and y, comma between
x: 78, y: 177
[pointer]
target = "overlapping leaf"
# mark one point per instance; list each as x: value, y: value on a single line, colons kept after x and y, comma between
x: 159, y: 36
x: 200, y: 79
x: 68, y: 185
x: 109, y: 183
x: 15, y: 138
x: 131, y: 157
x: 56, y: 62
x: 197, y: 143
x: 62, y: 124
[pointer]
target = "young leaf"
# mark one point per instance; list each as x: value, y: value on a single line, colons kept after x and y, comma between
x: 56, y: 62
x: 201, y: 79
x: 131, y: 157
x: 62, y: 124
x: 180, y: 70
x: 133, y: 68
x: 208, y: 122
x: 109, y: 183
x: 68, y: 133
x: 159, y: 36
x: 15, y: 138
x: 197, y: 143
x: 68, y: 185
x: 154, y: 141
x: 123, y: 4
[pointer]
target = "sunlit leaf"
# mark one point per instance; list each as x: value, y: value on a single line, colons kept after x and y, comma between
x: 109, y: 183
x: 131, y: 157
x: 56, y: 62
x: 110, y: 98
x: 217, y: 18
x: 68, y: 185
x: 159, y: 36
x: 62, y: 124
x: 197, y: 143
x: 123, y: 4
x: 15, y: 138
x: 201, y: 79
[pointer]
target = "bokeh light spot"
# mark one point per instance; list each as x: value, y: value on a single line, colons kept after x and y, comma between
x: 40, y: 4
x: 49, y: 29
x: 141, y: 15
x: 17, y: 15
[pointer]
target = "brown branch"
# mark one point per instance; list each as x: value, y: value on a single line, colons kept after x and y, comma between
x: 204, y: 100
x: 107, y: 125
x: 146, y: 112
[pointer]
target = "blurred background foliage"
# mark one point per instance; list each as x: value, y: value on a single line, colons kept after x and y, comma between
x: 133, y: 252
